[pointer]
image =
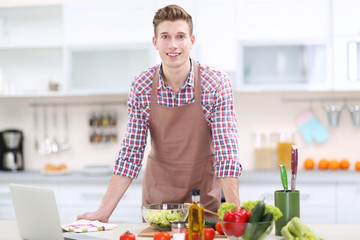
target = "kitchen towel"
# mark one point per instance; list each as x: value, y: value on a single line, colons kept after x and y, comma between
x: 82, y: 226
x: 311, y: 129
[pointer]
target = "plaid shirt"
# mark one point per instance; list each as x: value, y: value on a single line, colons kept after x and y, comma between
x: 217, y: 104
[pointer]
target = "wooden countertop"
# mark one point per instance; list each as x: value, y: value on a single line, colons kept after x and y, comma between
x: 9, y: 231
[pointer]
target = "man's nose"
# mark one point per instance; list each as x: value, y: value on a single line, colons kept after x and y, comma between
x: 173, y: 43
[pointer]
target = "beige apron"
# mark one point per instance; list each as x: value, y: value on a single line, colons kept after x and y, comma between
x: 182, y: 154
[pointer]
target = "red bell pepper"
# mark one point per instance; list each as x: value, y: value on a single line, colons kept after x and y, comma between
x: 239, y: 216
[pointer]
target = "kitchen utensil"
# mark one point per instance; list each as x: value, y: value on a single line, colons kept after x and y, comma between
x: 333, y: 113
x: 36, y: 128
x: 205, y: 210
x: 284, y: 179
x: 294, y: 166
x: 65, y: 145
x: 355, y: 114
x: 289, y: 205
x: 45, y: 145
x: 54, y: 142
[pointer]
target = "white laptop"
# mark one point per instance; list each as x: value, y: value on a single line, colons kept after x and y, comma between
x: 37, y: 214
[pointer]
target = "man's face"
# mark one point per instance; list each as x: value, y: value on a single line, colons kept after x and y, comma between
x: 173, y: 41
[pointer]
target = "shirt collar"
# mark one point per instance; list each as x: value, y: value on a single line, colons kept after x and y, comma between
x: 189, y: 81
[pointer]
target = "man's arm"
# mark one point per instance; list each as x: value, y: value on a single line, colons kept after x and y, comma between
x: 230, y: 189
x: 117, y: 187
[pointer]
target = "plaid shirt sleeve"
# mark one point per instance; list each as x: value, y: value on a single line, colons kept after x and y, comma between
x: 129, y: 160
x: 225, y: 132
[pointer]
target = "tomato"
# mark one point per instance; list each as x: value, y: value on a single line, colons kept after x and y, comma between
x: 127, y: 236
x: 162, y: 236
x: 249, y: 213
x: 209, y: 234
x: 218, y: 228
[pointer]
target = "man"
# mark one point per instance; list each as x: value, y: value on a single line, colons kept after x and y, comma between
x: 188, y: 109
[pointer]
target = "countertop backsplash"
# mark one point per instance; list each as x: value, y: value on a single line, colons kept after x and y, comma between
x: 256, y: 112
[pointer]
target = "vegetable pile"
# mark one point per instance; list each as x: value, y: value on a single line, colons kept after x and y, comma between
x: 162, y: 218
x: 296, y: 230
x: 250, y: 222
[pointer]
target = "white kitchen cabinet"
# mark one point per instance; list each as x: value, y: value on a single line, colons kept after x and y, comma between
x: 31, y: 41
x: 107, y: 22
x: 78, y: 198
x: 348, y: 199
x: 215, y: 33
x: 283, y: 19
x: 317, y: 201
x: 346, y: 63
x: 6, y: 206
x: 346, y: 17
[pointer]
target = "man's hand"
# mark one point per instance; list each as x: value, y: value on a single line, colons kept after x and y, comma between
x: 93, y: 216
x: 117, y: 187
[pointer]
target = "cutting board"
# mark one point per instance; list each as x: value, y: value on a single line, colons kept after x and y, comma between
x: 150, y: 231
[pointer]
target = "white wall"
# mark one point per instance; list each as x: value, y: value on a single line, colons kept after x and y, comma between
x: 255, y: 112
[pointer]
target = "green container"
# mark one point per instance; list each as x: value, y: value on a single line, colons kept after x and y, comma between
x: 289, y: 204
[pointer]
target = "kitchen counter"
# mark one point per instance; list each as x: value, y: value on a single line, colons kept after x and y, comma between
x: 268, y: 176
x: 9, y: 231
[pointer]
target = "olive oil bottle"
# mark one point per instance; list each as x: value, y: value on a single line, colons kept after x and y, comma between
x: 196, y: 216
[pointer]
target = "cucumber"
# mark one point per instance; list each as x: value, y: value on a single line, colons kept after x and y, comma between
x: 256, y: 216
x: 210, y: 223
x: 261, y: 228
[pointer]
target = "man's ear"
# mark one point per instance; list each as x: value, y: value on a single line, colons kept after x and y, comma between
x: 154, y: 41
x: 192, y: 41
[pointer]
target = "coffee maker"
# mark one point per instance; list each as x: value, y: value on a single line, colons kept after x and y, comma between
x: 11, y: 150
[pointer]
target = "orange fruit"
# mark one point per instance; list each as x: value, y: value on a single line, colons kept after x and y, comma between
x: 323, y: 164
x: 309, y: 163
x: 344, y: 164
x: 357, y: 166
x: 334, y: 164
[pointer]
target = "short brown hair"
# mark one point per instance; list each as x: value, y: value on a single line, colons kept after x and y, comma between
x: 172, y: 13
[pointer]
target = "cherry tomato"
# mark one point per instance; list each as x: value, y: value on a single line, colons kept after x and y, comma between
x: 209, y: 234
x: 127, y: 236
x: 162, y: 236
x: 218, y: 228
x: 249, y: 213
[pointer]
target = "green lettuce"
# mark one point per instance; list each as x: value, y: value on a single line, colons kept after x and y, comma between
x: 162, y: 218
x: 224, y: 208
x: 249, y: 205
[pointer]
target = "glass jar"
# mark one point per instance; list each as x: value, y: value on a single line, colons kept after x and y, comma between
x: 264, y: 151
x: 286, y: 140
x: 178, y: 230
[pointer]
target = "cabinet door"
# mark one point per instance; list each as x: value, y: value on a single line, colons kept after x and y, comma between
x: 348, y: 203
x: 215, y: 33
x: 347, y: 63
x: 317, y: 201
x: 108, y: 22
x: 346, y: 17
x: 283, y: 19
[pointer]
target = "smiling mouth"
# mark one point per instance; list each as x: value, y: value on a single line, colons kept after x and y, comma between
x: 173, y: 54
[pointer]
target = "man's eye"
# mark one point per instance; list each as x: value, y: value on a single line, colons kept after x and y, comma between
x: 181, y: 36
x: 165, y: 37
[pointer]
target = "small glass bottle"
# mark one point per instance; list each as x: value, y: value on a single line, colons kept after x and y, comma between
x: 196, y: 216
x: 178, y: 230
